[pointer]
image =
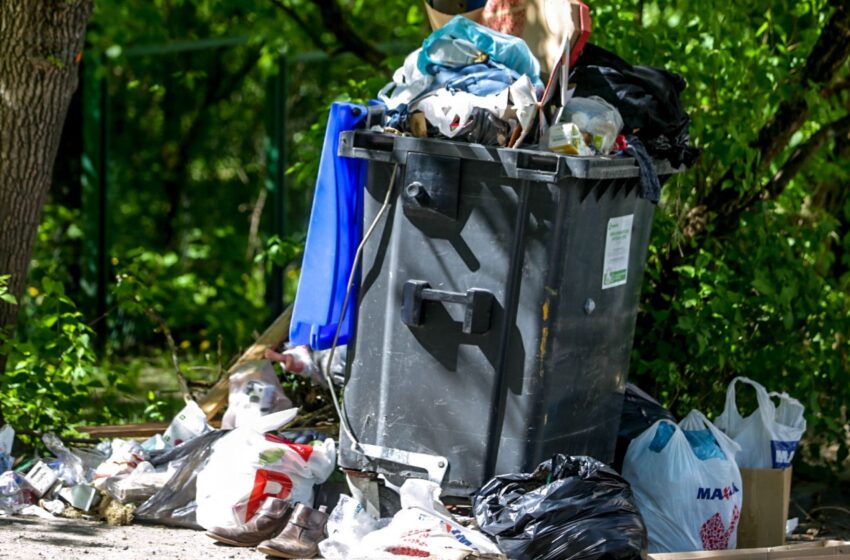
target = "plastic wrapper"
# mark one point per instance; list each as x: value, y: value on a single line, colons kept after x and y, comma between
x: 138, y: 486
x: 248, y: 466
x: 71, y: 470
x: 423, y: 528
x: 597, y: 118
x: 687, y: 485
x: 11, y: 496
x: 174, y: 504
x: 7, y: 438
x: 126, y: 456
x: 254, y: 391
x: 769, y: 436
x: 348, y: 523
x: 569, y: 507
x: 189, y: 423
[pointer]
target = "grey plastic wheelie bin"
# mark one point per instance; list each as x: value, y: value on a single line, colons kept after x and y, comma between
x: 496, y: 311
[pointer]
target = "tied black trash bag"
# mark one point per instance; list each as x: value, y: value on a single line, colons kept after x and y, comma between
x: 568, y: 508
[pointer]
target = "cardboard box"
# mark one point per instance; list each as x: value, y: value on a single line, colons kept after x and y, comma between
x: 814, y: 550
x: 41, y: 478
x: 766, y: 493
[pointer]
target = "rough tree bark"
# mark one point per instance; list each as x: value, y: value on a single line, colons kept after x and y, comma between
x: 41, y: 43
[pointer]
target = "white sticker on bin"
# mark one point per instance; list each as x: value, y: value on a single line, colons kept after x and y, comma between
x: 618, y: 239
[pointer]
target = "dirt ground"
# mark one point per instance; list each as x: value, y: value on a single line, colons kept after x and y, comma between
x: 25, y: 538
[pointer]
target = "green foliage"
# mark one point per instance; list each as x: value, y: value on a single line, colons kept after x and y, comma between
x: 770, y: 299
x: 4, y: 290
x: 51, y: 382
x: 191, y: 204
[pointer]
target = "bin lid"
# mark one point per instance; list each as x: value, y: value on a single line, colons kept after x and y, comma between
x: 532, y: 165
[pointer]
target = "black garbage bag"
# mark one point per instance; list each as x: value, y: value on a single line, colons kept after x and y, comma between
x: 647, y: 98
x: 174, y: 504
x: 640, y: 412
x: 568, y: 508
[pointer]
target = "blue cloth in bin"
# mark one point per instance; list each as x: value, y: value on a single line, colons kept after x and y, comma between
x: 332, y: 238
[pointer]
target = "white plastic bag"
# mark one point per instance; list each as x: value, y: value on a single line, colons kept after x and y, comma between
x: 126, y: 456
x: 688, y: 503
x: 254, y: 391
x: 348, y: 523
x: 423, y: 528
x: 596, y: 117
x: 248, y: 466
x: 450, y: 111
x: 189, y: 423
x: 769, y: 436
x: 408, y: 83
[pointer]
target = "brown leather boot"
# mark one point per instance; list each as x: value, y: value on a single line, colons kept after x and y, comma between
x: 300, y: 538
x: 269, y: 520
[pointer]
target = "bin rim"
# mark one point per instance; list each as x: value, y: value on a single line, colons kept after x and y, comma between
x: 532, y: 165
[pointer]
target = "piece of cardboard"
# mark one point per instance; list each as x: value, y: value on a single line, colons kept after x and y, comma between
x: 766, y: 494
x: 438, y: 19
x: 814, y: 550
x: 41, y: 478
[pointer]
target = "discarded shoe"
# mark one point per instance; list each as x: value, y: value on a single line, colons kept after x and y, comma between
x: 268, y: 522
x: 300, y: 538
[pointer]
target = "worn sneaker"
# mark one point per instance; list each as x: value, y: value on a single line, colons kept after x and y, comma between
x: 269, y: 521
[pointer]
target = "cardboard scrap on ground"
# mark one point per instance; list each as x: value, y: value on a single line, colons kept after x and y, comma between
x: 820, y: 549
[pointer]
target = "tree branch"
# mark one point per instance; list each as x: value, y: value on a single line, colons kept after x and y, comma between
x: 830, y: 51
x: 336, y: 22
x: 304, y: 25
x: 803, y: 153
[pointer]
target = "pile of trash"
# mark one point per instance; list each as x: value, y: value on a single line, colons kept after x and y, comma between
x: 672, y: 487
x: 251, y: 486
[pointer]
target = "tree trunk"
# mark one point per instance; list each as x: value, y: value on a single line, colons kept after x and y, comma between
x: 41, y: 43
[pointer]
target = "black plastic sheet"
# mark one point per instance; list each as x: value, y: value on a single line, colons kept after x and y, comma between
x: 568, y: 508
x: 640, y: 412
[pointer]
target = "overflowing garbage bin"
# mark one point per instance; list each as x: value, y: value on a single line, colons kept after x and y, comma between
x: 496, y: 308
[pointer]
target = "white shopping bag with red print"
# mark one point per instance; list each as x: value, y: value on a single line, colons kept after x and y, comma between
x: 687, y: 485
x: 247, y: 467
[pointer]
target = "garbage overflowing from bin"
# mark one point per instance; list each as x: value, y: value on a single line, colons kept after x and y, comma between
x: 492, y: 439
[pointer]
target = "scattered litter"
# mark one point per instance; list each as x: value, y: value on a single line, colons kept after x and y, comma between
x: 35, y: 511
x: 41, y: 478
x: 81, y: 496
x: 56, y: 507
x: 71, y: 470
x: 7, y: 439
x: 424, y: 528
x: 348, y: 523
x: 126, y: 456
x: 189, y: 423
x: 11, y: 497
x: 254, y: 391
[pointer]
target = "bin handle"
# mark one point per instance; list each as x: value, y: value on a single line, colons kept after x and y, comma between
x: 478, y: 304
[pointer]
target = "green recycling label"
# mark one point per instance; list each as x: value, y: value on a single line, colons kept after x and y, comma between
x: 618, y: 239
